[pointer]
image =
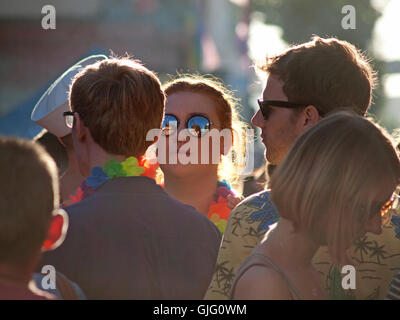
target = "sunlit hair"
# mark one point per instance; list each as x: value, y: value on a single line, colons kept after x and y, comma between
x: 327, y: 73
x: 28, y: 195
x: 119, y: 100
x: 331, y: 180
x: 228, y: 115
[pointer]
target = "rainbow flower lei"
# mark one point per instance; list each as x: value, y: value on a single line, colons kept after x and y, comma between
x: 131, y: 167
x: 218, y: 211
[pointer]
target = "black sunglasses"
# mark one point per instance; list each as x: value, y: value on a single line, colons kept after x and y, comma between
x: 265, y: 106
x: 386, y: 208
x: 198, y: 125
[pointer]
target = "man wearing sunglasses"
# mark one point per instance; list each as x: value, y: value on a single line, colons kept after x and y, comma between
x: 305, y: 83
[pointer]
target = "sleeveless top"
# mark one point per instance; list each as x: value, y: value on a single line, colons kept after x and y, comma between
x: 267, y: 263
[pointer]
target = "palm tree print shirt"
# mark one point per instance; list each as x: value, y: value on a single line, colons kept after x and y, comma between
x: 376, y: 258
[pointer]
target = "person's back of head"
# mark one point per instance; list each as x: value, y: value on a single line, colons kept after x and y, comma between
x: 336, y: 179
x: 119, y: 101
x: 327, y: 73
x: 28, y: 197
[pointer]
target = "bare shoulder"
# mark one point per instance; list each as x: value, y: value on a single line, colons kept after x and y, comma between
x: 261, y: 283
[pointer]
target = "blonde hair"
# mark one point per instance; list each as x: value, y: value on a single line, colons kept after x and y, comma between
x: 327, y: 183
x: 227, y: 112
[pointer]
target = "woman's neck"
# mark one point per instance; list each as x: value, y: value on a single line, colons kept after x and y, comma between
x: 195, y: 192
x: 288, y: 248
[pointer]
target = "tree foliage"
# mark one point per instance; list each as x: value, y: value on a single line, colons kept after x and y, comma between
x: 300, y: 20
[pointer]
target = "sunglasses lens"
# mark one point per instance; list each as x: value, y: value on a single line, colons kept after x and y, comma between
x: 198, y: 126
x: 69, y: 121
x: 386, y: 210
x: 264, y: 108
x: 169, y: 125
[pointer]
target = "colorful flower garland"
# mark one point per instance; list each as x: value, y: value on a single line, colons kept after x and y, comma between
x: 218, y: 211
x: 131, y: 167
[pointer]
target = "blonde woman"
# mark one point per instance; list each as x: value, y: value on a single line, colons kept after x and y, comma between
x: 337, y: 183
x: 202, y: 107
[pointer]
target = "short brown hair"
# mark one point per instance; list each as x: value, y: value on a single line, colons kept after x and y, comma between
x: 326, y: 73
x: 119, y: 100
x: 28, y: 196
x: 330, y: 180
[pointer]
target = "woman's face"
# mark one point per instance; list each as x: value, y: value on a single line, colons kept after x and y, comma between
x: 372, y: 224
x: 184, y: 105
x: 381, y: 200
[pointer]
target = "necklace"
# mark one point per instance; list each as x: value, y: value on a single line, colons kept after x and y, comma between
x: 131, y: 167
x: 218, y: 210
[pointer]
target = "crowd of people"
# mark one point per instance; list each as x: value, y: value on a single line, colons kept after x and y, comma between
x: 86, y: 198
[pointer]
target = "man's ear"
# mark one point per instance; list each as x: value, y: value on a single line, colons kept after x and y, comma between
x: 311, y: 116
x: 57, y: 230
x: 80, y: 129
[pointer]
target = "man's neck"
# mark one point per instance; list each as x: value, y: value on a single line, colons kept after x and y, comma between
x: 17, y: 274
x: 98, y: 157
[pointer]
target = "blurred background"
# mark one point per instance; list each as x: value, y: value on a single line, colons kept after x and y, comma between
x: 219, y: 37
